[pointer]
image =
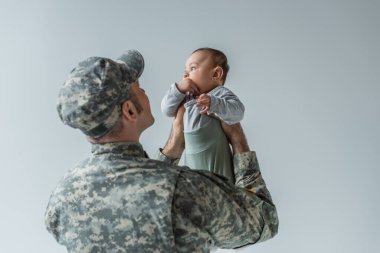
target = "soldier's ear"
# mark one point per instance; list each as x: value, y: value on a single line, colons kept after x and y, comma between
x: 128, y: 110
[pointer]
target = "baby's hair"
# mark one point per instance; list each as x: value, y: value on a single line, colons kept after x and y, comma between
x: 220, y: 59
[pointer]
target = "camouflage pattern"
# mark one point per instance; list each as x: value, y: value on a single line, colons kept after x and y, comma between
x: 118, y: 200
x: 90, y: 98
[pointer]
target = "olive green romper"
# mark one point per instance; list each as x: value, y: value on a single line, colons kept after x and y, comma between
x: 208, y: 147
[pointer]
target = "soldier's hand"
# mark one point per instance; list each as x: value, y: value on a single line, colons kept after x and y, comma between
x: 176, y: 142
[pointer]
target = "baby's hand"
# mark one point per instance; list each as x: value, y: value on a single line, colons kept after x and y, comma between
x: 187, y: 85
x: 204, y: 101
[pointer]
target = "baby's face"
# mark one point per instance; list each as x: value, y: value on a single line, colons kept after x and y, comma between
x: 199, y: 68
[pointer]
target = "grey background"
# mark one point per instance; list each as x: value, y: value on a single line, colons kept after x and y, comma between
x: 307, y: 71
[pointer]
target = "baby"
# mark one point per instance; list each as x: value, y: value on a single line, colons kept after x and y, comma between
x: 206, y: 102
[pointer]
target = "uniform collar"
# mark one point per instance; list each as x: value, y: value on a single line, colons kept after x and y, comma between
x: 120, y: 148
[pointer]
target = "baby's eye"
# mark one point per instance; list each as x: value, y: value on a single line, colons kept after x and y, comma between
x: 192, y: 68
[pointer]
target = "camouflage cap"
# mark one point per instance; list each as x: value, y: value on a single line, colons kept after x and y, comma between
x: 90, y: 98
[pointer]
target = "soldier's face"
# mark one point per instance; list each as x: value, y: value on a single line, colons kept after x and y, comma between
x: 146, y: 118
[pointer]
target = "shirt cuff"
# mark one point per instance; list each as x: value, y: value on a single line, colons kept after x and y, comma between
x: 246, y: 168
x: 164, y: 158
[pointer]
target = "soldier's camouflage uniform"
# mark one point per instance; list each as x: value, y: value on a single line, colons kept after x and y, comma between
x: 118, y: 200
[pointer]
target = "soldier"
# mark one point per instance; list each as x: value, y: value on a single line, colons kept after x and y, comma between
x: 119, y: 200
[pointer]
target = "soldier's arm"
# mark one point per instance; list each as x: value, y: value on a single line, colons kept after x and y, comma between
x: 245, y: 163
x: 54, y: 218
x: 208, y: 208
x: 175, y: 145
x: 231, y: 215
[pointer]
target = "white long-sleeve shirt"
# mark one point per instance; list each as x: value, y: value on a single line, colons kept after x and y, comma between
x: 224, y: 104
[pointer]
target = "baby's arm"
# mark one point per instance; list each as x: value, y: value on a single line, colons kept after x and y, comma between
x: 172, y: 100
x: 224, y: 104
x: 176, y: 94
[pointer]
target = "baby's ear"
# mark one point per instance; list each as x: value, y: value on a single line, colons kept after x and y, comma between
x: 218, y: 73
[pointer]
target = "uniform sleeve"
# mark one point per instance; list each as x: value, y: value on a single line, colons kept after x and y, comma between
x: 171, y: 101
x: 209, y: 210
x: 161, y: 157
x: 53, y: 219
x: 226, y: 106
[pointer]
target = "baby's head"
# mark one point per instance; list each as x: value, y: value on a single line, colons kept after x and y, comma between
x: 207, y: 67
